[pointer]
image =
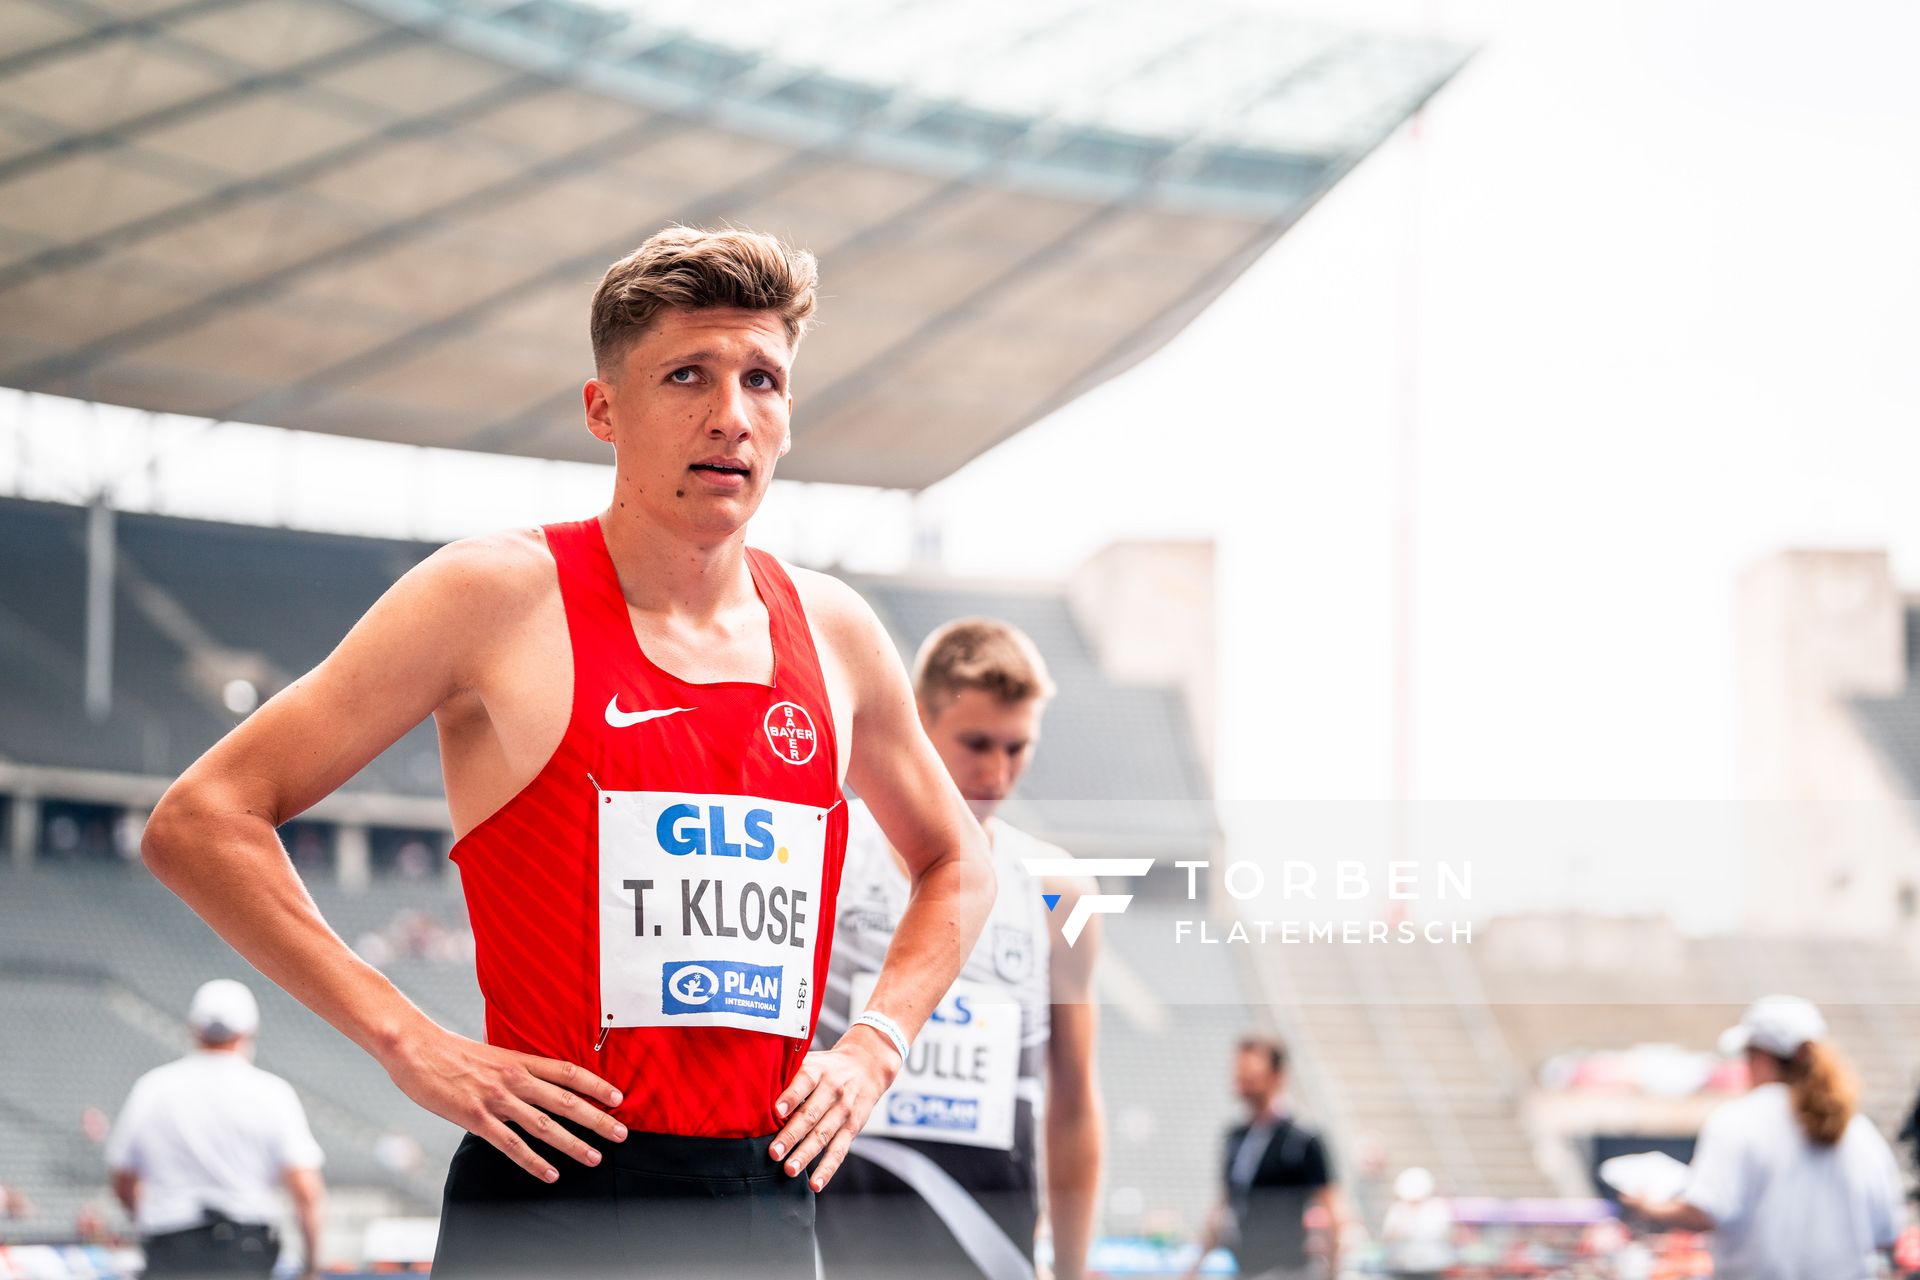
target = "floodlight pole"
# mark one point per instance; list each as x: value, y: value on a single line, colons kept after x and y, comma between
x: 1405, y: 476
x: 100, y: 576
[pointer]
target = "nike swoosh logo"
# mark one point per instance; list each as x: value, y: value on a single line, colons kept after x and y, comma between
x: 626, y: 719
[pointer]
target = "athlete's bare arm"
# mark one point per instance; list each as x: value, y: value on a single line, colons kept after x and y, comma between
x: 424, y: 645
x: 1075, y: 1129
x: 895, y: 770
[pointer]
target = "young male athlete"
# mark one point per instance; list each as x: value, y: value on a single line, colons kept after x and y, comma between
x: 644, y: 726
x: 944, y: 1180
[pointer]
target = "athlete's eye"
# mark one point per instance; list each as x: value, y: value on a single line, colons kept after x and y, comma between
x: 761, y: 380
x: 675, y: 375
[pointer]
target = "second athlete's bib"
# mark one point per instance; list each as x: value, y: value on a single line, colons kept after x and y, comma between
x: 958, y: 1083
x: 709, y: 910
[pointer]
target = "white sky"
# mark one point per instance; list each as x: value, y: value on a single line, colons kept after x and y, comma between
x: 1647, y: 288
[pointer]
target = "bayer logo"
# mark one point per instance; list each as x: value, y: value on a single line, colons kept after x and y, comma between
x: 695, y: 984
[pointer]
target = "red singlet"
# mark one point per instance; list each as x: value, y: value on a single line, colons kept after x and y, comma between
x: 669, y: 877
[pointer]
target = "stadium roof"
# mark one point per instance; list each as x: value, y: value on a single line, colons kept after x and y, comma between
x: 383, y: 218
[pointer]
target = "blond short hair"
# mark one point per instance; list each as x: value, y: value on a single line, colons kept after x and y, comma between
x: 980, y: 653
x: 693, y: 268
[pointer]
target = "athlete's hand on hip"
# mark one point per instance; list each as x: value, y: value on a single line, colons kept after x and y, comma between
x: 829, y: 1101
x: 486, y: 1089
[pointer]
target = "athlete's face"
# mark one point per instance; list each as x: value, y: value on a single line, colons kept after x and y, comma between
x: 698, y: 414
x: 984, y: 742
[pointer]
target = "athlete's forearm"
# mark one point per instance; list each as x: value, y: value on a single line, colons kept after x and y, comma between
x: 1074, y: 1142
x: 950, y: 904
x: 226, y: 863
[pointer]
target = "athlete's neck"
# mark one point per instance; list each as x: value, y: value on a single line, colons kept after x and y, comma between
x: 663, y: 571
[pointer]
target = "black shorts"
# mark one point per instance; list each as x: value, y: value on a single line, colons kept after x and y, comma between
x: 888, y: 1216
x: 219, y: 1247
x: 656, y: 1205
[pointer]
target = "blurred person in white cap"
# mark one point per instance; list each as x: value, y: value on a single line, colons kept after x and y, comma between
x: 1793, y: 1183
x: 1418, y: 1229
x: 203, y: 1146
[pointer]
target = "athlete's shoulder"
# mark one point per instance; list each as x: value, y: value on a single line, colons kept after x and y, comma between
x: 507, y: 562
x: 486, y: 579
x: 825, y: 595
x: 840, y: 616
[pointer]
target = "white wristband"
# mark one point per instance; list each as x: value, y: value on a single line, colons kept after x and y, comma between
x: 887, y: 1027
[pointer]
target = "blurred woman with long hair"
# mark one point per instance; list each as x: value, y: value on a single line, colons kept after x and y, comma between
x: 1791, y: 1180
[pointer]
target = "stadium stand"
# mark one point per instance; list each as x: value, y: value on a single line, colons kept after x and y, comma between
x: 1419, y: 1071
x: 96, y: 968
x: 278, y: 597
x: 1403, y: 1055
x: 1892, y: 723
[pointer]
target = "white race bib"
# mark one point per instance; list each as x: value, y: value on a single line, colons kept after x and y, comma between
x: 709, y: 909
x: 958, y: 1084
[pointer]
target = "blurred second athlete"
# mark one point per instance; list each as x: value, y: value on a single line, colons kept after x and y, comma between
x: 944, y: 1180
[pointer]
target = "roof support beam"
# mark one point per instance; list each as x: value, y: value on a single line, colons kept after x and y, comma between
x: 122, y: 132
x: 150, y: 24
x: 65, y: 257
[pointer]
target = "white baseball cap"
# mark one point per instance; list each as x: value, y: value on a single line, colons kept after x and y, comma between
x: 1778, y: 1025
x: 223, y: 1009
x: 1413, y: 1184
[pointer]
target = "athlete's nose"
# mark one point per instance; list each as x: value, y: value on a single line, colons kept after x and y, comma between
x: 730, y: 419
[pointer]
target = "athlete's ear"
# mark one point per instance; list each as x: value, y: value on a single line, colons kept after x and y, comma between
x: 786, y: 433
x: 598, y: 399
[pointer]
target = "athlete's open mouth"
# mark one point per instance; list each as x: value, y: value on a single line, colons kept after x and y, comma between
x: 721, y: 468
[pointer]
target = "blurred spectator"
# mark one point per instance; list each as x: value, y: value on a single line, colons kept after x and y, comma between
x: 95, y: 1125
x: 90, y: 1226
x: 1276, y: 1172
x: 1793, y: 1184
x: 397, y: 1153
x: 414, y: 935
x: 414, y: 861
x: 13, y: 1203
x: 203, y: 1145
x: 1418, y: 1230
